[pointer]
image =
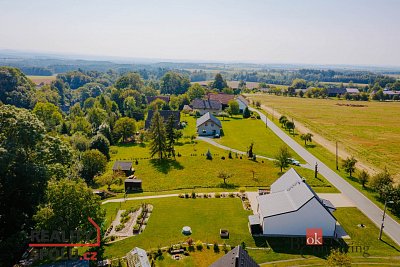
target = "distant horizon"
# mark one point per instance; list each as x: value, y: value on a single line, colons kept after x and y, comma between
x: 139, y: 60
x: 314, y: 32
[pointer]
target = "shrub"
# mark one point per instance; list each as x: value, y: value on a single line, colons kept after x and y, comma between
x: 125, y: 219
x: 242, y: 190
x: 181, y: 195
x: 231, y: 195
x: 217, y: 195
x: 193, y: 194
x: 186, y: 195
x: 136, y: 228
x: 199, y: 245
x: 119, y: 227
x: 225, y: 248
x: 222, y: 157
x: 216, y: 248
x: 208, y: 155
x: 230, y: 155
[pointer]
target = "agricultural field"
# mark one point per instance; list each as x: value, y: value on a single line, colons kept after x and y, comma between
x: 207, y: 216
x: 370, y: 133
x: 41, y: 79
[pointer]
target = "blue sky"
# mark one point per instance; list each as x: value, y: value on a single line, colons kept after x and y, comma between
x: 363, y: 32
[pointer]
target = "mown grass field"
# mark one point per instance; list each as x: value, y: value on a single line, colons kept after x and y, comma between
x: 239, y: 133
x: 41, y: 79
x: 192, y: 169
x: 370, y: 133
x: 207, y: 216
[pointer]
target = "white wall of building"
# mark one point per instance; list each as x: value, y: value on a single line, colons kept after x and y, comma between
x: 208, y: 128
x: 311, y: 215
x: 242, y: 106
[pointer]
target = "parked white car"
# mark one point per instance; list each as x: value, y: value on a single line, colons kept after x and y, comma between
x: 294, y: 162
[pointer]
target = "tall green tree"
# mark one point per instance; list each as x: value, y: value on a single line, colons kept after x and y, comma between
x: 363, y: 178
x: 49, y: 114
x: 96, y: 116
x: 283, y: 120
x: 306, y: 138
x: 234, y: 107
x: 349, y: 165
x: 101, y: 143
x: 15, y: 88
x: 130, y: 106
x: 68, y: 204
x: 174, y: 83
x: 290, y: 126
x: 196, y: 91
x: 110, y: 179
x: 124, y: 128
x: 219, y: 82
x: 282, y: 158
x: 29, y: 157
x: 381, y: 182
x: 172, y: 135
x: 158, y: 143
x: 93, y: 163
x: 129, y: 81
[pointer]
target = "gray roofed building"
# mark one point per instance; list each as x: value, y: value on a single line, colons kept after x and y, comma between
x: 122, y: 166
x: 208, y: 124
x: 206, y: 105
x: 336, y: 91
x: 352, y: 91
x: 206, y: 117
x: 291, y: 207
x: 237, y: 257
x: 165, y: 114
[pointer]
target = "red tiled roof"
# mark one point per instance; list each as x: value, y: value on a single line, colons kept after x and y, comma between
x: 223, y: 98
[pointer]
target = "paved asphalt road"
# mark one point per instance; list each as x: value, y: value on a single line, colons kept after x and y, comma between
x: 373, y: 212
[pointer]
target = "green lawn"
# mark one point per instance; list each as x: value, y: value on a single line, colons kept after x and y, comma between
x: 204, y: 216
x: 207, y: 216
x: 239, y: 133
x: 193, y: 170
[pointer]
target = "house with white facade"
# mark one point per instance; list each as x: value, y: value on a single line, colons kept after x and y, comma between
x: 243, y: 103
x: 208, y: 125
x: 291, y: 208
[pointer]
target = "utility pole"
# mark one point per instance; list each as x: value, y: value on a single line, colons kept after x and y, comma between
x: 316, y: 170
x: 337, y: 164
x: 383, y: 218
